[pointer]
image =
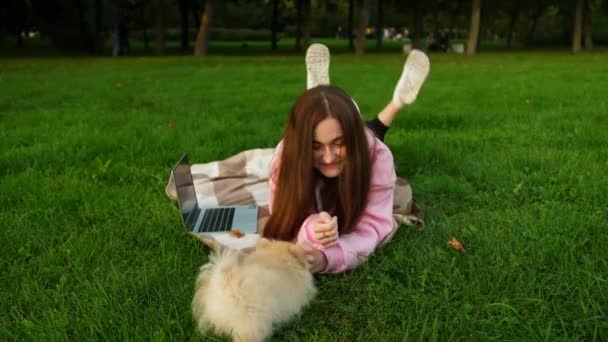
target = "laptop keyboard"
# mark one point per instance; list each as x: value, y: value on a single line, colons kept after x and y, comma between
x: 217, y: 220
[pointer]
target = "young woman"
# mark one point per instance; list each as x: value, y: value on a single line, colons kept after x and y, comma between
x: 332, y: 177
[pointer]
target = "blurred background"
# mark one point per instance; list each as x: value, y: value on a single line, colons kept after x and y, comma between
x: 199, y: 27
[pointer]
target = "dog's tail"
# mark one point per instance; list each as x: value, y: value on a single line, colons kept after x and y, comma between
x: 219, y: 261
x: 216, y: 269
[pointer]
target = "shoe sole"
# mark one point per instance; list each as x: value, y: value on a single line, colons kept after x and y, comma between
x: 416, y: 69
x: 317, y: 65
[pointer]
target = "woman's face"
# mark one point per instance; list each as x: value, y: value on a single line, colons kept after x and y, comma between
x: 328, y: 147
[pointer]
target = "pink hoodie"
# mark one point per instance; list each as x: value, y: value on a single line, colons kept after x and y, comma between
x: 375, y: 223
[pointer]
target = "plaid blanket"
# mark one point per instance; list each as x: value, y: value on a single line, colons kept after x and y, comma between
x: 243, y: 179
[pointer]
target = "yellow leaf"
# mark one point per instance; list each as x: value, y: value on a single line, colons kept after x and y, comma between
x: 456, y: 244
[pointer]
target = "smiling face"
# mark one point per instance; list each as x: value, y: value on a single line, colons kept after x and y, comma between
x: 324, y: 137
x: 329, y: 151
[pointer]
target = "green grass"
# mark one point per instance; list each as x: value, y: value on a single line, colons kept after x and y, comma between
x: 506, y: 152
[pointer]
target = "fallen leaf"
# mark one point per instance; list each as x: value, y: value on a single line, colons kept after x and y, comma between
x: 236, y: 233
x: 171, y: 125
x: 456, y: 244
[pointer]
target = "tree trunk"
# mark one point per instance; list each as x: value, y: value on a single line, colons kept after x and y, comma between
x: 14, y: 18
x: 418, y: 28
x: 513, y: 20
x: 85, y: 41
x: 363, y: 20
x: 379, y: 26
x: 299, y: 25
x: 145, y: 25
x: 19, y: 39
x: 578, y: 27
x: 349, y: 29
x: 183, y: 14
x: 196, y: 14
x: 274, y: 26
x: 474, y: 30
x: 306, y: 23
x: 3, y: 28
x: 99, y: 36
x: 202, y: 39
x: 3, y: 13
x: 160, y: 27
x: 530, y: 37
x: 121, y: 34
x: 588, y: 34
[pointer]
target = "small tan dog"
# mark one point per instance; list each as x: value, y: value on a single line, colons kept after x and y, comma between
x: 246, y: 294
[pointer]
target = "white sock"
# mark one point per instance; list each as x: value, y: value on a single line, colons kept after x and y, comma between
x: 317, y: 65
x: 414, y: 74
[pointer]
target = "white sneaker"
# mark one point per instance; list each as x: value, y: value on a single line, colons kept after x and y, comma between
x: 414, y: 74
x: 317, y: 65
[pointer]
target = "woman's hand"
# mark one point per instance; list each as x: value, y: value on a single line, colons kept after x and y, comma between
x: 326, y: 230
x: 316, y: 259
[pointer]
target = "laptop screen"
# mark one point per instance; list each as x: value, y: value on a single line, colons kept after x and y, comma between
x: 186, y: 194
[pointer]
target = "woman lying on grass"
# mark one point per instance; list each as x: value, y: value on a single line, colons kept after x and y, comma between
x: 332, y: 177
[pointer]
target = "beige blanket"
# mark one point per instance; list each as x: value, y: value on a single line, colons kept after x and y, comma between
x: 243, y: 179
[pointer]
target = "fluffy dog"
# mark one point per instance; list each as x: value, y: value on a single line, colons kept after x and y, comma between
x: 246, y: 294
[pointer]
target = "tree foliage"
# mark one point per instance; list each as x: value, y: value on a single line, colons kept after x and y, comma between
x: 88, y: 24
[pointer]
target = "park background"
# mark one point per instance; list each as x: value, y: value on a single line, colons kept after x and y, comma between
x: 505, y: 149
x: 161, y: 27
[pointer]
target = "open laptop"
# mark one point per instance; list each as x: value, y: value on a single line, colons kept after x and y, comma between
x: 210, y: 220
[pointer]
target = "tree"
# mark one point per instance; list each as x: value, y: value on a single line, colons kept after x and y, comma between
x: 578, y: 26
x: 121, y: 35
x: 99, y: 35
x: 159, y: 13
x: 587, y: 33
x: 363, y: 19
x: 349, y: 28
x: 202, y: 39
x: 196, y: 14
x: 306, y: 22
x: 418, y: 27
x: 474, y: 30
x: 514, y: 13
x: 184, y: 8
x: 15, y: 17
x: 379, y: 25
x: 3, y: 20
x: 298, y: 25
x: 303, y: 21
x: 537, y: 12
x: 274, y: 24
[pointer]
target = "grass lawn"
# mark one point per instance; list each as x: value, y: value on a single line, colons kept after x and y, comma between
x: 506, y: 152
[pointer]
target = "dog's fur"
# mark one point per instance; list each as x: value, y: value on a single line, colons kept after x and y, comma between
x: 246, y: 294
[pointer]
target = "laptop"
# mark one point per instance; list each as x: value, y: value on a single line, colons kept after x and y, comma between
x: 214, y: 221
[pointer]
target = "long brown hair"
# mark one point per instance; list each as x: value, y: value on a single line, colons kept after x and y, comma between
x: 297, y: 177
